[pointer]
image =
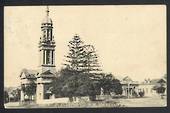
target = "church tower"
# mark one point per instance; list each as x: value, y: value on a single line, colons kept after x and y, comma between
x: 47, y: 45
x: 47, y: 59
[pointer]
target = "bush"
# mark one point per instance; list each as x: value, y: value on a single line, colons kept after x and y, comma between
x: 160, y: 90
x: 141, y: 93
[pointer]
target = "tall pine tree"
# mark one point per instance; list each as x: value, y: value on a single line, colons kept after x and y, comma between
x: 77, y: 78
x: 91, y: 64
x: 74, y: 59
x: 82, y: 58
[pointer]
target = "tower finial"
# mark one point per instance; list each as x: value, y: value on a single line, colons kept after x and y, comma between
x: 47, y: 11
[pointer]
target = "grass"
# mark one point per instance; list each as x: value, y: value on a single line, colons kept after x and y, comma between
x: 88, y: 104
x: 111, y: 103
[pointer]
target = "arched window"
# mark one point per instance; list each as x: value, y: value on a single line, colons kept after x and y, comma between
x: 48, y: 57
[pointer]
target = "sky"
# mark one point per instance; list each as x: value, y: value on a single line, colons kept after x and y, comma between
x: 130, y: 39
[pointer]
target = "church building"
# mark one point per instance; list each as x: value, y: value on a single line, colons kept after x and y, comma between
x: 46, y: 71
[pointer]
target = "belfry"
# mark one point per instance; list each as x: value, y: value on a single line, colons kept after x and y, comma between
x: 47, y: 45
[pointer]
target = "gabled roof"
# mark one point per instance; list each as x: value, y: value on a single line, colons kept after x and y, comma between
x: 127, y: 78
x: 162, y: 80
x: 119, y: 77
x: 47, y: 73
x: 25, y: 73
x: 155, y: 81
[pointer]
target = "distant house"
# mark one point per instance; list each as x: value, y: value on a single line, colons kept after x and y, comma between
x: 27, y: 76
x: 132, y: 88
x: 129, y: 87
x: 149, y: 86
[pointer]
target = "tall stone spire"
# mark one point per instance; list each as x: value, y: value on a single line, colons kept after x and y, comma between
x: 47, y: 19
x: 47, y: 11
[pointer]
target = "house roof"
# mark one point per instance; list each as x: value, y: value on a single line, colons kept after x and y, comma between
x: 29, y: 73
x: 162, y: 80
x: 127, y: 78
x: 119, y: 77
x: 155, y: 81
x: 33, y: 74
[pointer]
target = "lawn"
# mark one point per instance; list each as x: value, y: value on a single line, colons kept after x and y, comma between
x: 132, y: 102
x: 144, y: 102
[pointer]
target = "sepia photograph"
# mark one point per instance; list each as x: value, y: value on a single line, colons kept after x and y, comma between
x: 85, y: 56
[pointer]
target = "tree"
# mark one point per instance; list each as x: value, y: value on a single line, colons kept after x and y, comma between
x: 29, y: 89
x: 60, y: 81
x: 161, y: 90
x: 16, y: 94
x: 160, y: 86
x: 111, y: 84
x: 78, y: 78
x: 70, y: 85
x: 117, y: 87
x: 6, y: 97
x: 82, y: 58
x: 74, y: 59
x: 106, y: 83
x: 141, y: 93
x: 83, y: 63
x: 91, y: 64
x: 94, y: 89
